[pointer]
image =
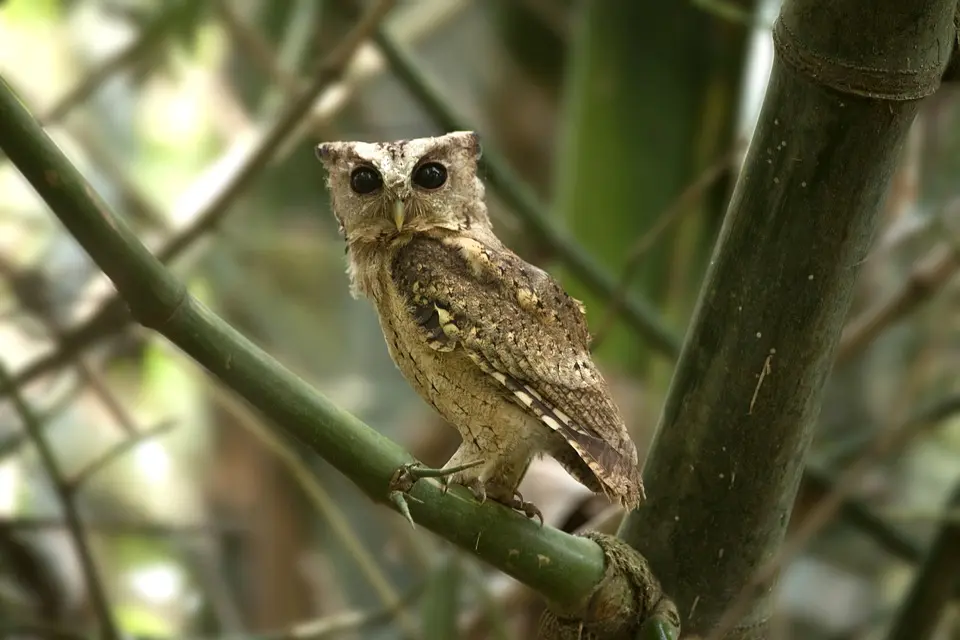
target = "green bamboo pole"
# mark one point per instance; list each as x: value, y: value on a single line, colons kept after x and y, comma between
x: 726, y: 462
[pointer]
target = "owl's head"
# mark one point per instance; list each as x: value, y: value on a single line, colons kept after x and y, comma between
x: 380, y: 190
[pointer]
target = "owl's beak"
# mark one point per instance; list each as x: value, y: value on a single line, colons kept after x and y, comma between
x: 399, y: 213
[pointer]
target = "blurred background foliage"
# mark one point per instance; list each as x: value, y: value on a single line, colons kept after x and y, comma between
x: 626, y: 119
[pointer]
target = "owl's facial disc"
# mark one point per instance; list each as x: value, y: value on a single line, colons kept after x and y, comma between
x: 383, y: 189
x: 427, y: 176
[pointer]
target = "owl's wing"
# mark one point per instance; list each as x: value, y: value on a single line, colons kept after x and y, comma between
x: 520, y: 327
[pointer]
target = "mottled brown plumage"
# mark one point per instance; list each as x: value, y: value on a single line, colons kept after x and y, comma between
x: 493, y: 343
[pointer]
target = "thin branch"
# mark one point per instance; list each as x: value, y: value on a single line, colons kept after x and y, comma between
x: 824, y: 511
x: 333, y: 625
x: 923, y: 515
x: 927, y: 279
x: 34, y: 428
x: 149, y: 38
x: 732, y: 12
x: 112, y: 453
x: 877, y: 526
x: 639, y: 313
x: 564, y: 568
x: 864, y: 519
x: 109, y: 400
x: 671, y: 215
x: 121, y: 526
x: 934, y: 585
x: 11, y: 444
x: 39, y: 630
x: 111, y: 317
x: 31, y: 289
x: 325, y: 506
x: 328, y: 71
x: 256, y: 47
x: 136, y: 204
x: 337, y: 623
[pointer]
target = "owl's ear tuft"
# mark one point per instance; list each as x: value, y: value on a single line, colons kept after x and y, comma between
x: 327, y: 152
x: 476, y: 147
x: 469, y: 141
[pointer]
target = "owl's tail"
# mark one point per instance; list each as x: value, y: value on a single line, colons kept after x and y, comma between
x: 600, y: 468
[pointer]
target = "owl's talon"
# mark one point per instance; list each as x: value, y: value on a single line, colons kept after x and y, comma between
x: 478, y: 489
x: 527, y: 508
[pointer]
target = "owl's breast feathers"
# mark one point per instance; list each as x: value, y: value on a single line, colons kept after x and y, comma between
x: 518, y: 325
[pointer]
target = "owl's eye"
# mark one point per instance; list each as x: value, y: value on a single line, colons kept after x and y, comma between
x: 365, y: 180
x: 430, y: 176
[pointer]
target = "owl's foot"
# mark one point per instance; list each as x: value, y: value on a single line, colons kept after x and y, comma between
x: 477, y: 488
x: 407, y: 475
x: 515, y: 502
x: 528, y: 509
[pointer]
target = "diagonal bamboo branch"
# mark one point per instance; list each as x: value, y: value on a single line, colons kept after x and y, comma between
x: 564, y: 568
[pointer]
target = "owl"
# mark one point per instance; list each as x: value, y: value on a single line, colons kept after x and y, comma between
x: 492, y: 342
